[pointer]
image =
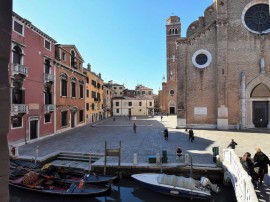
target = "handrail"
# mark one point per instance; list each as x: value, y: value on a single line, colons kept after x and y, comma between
x: 241, y: 181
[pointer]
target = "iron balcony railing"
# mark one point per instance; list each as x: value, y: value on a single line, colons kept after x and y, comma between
x: 19, y: 69
x: 48, y: 78
x: 19, y: 108
x: 49, y: 108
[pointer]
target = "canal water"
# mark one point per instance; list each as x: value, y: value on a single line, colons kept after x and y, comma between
x: 127, y: 190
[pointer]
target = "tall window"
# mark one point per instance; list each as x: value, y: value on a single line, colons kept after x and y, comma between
x: 63, y: 56
x: 63, y: 84
x: 93, y: 94
x: 17, y: 55
x: 87, y: 93
x: 47, y: 66
x: 150, y: 103
x: 73, y: 60
x: 81, y: 115
x: 140, y: 103
x: 17, y: 96
x: 87, y: 106
x: 94, y: 83
x: 81, y: 88
x: 73, y: 87
x: 64, y: 120
x: 48, y: 96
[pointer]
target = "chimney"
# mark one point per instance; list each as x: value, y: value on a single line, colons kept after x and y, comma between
x: 89, y: 67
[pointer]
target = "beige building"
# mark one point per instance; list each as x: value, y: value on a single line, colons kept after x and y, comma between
x: 94, y: 96
x: 168, y: 93
x: 224, y: 67
x: 107, y: 101
x: 134, y: 106
x: 117, y: 89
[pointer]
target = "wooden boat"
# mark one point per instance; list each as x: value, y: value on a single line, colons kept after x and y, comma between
x: 66, y: 174
x: 177, y: 185
x: 35, y: 183
x: 69, y: 174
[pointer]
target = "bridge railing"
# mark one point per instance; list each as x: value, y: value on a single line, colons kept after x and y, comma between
x: 241, y: 181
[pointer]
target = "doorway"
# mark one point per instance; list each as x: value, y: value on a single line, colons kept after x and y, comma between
x: 260, y: 114
x: 33, y: 129
x: 172, y: 110
x: 73, y: 119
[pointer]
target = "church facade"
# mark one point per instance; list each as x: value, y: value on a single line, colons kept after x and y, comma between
x: 223, y: 67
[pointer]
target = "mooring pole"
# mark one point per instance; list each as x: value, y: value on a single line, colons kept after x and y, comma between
x: 105, y: 160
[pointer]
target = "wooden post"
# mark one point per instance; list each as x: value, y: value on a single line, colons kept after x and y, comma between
x: 105, y: 160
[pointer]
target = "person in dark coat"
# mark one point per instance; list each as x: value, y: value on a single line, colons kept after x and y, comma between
x: 248, y: 166
x: 134, y: 127
x: 179, y: 152
x: 232, y: 144
x: 166, y: 134
x: 260, y: 164
x: 191, y: 135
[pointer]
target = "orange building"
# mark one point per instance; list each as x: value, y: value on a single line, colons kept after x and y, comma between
x: 70, y: 88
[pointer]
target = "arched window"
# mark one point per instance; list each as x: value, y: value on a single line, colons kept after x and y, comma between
x: 175, y: 31
x: 63, y: 87
x: 73, y: 87
x: 81, y: 88
x: 73, y: 60
x: 17, y: 55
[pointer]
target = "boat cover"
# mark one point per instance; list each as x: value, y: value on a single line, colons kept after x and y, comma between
x: 179, y: 181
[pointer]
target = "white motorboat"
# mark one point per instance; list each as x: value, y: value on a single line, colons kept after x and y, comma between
x: 177, y: 185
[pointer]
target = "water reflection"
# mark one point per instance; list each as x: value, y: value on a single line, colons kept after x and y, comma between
x: 127, y: 191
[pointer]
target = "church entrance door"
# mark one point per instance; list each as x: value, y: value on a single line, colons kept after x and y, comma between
x: 172, y: 110
x: 260, y: 114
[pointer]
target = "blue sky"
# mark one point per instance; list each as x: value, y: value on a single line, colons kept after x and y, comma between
x: 124, y: 40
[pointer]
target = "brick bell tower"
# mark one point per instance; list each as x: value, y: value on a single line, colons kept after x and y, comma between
x: 173, y: 32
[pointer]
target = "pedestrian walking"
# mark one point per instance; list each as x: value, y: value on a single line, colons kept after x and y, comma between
x: 260, y: 164
x: 248, y: 166
x: 161, y: 117
x: 167, y: 114
x: 166, y: 134
x: 191, y: 135
x: 134, y: 127
x: 232, y: 144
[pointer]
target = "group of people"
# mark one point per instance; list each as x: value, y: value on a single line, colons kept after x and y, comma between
x: 256, y: 168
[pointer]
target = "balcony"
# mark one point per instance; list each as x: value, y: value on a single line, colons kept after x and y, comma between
x: 48, y: 78
x: 19, y: 108
x: 19, y: 69
x: 49, y: 108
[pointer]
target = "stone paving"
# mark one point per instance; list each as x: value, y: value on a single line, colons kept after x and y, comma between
x: 148, y: 140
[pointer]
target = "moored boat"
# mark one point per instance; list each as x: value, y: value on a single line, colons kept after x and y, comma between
x: 33, y: 182
x: 65, y: 174
x: 177, y: 185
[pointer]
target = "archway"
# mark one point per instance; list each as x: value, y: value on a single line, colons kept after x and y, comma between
x: 257, y: 97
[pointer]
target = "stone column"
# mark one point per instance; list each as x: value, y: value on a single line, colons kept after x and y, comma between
x: 243, y: 100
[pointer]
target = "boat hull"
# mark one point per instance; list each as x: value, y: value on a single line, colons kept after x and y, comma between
x: 150, y: 181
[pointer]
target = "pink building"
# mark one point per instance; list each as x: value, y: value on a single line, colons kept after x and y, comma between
x: 32, y: 82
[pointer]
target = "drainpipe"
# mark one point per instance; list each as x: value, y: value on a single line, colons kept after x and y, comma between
x: 54, y: 99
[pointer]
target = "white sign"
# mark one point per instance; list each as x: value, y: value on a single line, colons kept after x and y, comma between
x: 200, y: 110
